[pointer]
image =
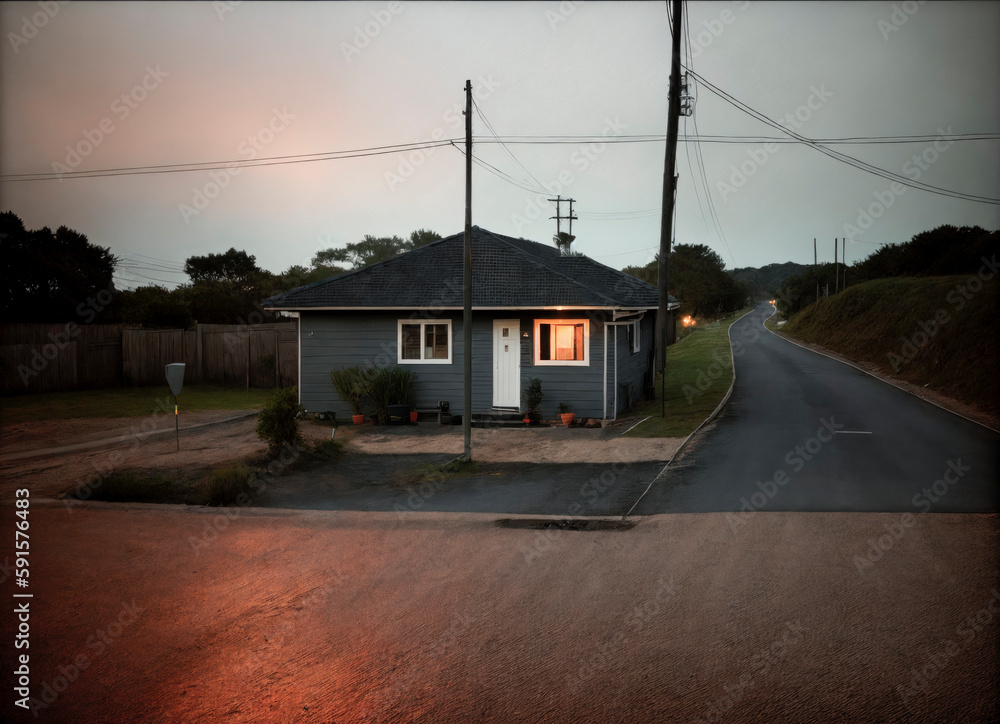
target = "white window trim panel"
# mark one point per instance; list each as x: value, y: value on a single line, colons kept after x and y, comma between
x: 636, y: 337
x: 536, y: 353
x: 422, y: 323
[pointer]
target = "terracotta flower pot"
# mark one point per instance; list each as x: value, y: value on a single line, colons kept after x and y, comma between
x: 358, y: 419
x: 567, y: 418
x: 413, y: 415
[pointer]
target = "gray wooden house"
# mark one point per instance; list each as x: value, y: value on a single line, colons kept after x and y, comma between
x: 584, y: 329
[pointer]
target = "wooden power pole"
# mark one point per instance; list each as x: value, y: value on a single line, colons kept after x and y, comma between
x: 467, y: 314
x: 666, y: 220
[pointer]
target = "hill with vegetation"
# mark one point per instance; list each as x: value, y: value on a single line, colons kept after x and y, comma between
x: 763, y: 282
x: 936, y: 330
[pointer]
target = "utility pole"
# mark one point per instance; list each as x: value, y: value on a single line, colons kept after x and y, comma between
x: 561, y: 241
x: 843, y: 258
x: 666, y: 220
x: 558, y: 216
x: 816, y: 273
x: 836, y: 267
x: 467, y: 307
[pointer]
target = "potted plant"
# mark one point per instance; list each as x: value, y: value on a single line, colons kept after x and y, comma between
x: 532, y: 400
x: 565, y: 415
x: 350, y: 385
x: 400, y: 395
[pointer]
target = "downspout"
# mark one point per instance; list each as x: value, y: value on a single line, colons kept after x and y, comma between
x: 605, y: 378
x: 615, y: 415
x: 298, y: 381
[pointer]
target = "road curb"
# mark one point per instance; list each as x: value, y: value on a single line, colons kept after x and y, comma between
x: 729, y: 392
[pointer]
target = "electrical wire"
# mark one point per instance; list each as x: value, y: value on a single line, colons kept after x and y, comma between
x: 238, y: 163
x: 489, y: 126
x: 843, y: 158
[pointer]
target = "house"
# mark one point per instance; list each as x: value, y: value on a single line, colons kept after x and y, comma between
x: 584, y: 329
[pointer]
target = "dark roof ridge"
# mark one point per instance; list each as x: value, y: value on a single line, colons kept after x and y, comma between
x: 540, y: 262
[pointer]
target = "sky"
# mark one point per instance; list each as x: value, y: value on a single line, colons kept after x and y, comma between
x: 90, y: 86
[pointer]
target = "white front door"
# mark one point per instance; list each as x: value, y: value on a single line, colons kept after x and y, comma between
x: 507, y: 363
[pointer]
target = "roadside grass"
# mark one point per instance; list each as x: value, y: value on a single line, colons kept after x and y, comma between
x: 923, y: 330
x: 126, y: 402
x: 699, y: 372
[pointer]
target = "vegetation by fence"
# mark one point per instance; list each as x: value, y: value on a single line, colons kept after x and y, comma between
x: 60, y: 357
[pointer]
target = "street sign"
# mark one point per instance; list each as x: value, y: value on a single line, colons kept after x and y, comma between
x: 175, y: 378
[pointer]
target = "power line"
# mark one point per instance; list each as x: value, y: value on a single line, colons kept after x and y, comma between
x: 239, y: 163
x: 506, y: 141
x: 485, y: 120
x: 843, y: 158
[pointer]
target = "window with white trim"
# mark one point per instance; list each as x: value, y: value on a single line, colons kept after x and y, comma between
x: 424, y: 342
x: 562, y: 342
x: 634, y: 338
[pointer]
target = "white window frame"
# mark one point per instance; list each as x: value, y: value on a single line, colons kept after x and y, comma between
x: 422, y: 323
x: 585, y: 362
x: 636, y: 345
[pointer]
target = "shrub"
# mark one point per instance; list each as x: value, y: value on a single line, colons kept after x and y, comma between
x: 277, y: 423
x: 130, y: 486
x: 327, y: 449
x: 533, y: 398
x: 229, y: 486
x: 350, y: 383
x: 384, y: 386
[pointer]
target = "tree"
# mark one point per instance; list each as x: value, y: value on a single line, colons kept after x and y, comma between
x: 698, y: 280
x: 374, y: 249
x: 421, y: 237
x: 49, y: 277
x: 236, y: 267
x: 154, y: 307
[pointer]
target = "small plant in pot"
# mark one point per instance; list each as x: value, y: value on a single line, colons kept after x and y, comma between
x: 565, y: 414
x: 533, y: 400
x: 350, y: 385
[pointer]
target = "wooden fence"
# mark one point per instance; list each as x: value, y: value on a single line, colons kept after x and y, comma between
x: 58, y: 357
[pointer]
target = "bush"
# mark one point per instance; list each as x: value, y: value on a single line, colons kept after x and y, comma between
x: 384, y: 386
x: 533, y: 398
x: 130, y: 486
x: 350, y: 384
x: 277, y: 423
x: 229, y: 486
x: 327, y: 449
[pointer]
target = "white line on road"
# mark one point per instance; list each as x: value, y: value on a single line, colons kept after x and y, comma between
x: 852, y: 432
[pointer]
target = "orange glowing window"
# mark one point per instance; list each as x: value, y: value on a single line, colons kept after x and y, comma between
x: 562, y: 342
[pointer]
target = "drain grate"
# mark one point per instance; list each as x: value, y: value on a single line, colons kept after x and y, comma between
x: 562, y: 524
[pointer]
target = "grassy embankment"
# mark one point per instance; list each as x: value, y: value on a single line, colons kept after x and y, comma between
x: 937, y: 332
x: 699, y: 372
x: 125, y: 402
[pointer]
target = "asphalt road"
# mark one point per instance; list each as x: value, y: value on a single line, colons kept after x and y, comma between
x: 804, y: 432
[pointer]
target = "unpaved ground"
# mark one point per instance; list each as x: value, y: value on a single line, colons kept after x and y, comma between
x: 359, y: 617
x: 200, y: 448
x: 514, y: 445
x: 380, y: 451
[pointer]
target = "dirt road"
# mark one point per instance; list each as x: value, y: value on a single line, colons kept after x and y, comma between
x: 158, y: 614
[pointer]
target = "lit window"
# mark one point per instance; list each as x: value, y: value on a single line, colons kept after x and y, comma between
x: 562, y: 342
x: 424, y: 342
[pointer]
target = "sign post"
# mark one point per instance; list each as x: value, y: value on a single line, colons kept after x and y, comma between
x: 175, y: 378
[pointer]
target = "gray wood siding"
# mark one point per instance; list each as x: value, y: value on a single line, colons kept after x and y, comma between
x: 342, y: 339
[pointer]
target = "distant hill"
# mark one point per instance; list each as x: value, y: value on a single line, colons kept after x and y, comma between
x: 760, y: 282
